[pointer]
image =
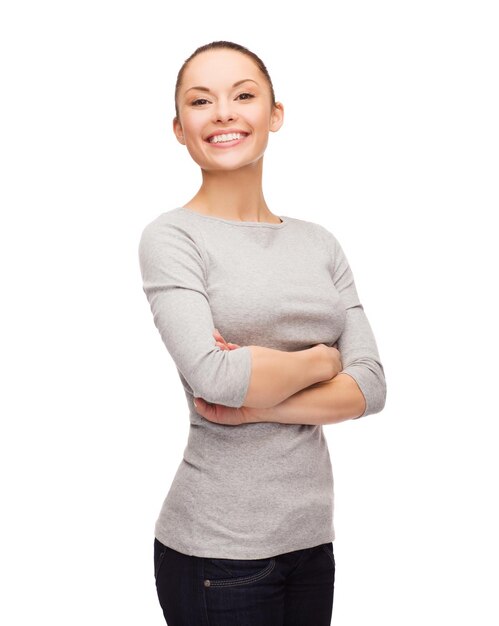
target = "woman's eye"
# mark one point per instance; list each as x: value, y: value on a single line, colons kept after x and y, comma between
x: 246, y: 94
x: 200, y: 101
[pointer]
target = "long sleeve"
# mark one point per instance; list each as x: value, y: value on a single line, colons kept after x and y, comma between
x: 174, y: 280
x: 357, y: 345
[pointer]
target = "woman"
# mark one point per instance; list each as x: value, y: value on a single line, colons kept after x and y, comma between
x: 261, y: 316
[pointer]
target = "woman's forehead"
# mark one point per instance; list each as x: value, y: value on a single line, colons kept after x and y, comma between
x: 222, y: 66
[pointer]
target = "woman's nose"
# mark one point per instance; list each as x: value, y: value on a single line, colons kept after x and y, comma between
x: 224, y: 112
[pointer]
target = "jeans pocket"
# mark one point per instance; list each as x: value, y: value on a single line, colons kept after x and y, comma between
x: 328, y: 549
x: 160, y: 551
x: 232, y: 572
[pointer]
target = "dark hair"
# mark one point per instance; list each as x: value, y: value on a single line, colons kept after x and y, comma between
x: 232, y: 46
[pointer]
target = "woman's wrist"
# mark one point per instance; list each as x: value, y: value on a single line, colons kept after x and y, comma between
x: 253, y: 415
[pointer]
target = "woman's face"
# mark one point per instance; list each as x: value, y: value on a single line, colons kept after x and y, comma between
x: 223, y: 107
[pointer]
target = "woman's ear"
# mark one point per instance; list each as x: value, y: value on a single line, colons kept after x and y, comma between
x: 277, y: 117
x: 177, y: 129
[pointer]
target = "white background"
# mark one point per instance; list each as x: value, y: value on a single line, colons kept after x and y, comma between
x: 390, y: 140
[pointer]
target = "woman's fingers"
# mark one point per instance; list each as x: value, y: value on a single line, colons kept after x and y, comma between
x: 220, y: 341
x: 218, y: 336
x: 225, y: 415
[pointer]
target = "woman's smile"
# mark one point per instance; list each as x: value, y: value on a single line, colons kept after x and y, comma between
x: 225, y: 141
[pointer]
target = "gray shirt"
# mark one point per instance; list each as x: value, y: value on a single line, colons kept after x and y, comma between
x: 255, y: 490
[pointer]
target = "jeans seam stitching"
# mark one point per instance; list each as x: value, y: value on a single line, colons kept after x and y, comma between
x: 227, y: 582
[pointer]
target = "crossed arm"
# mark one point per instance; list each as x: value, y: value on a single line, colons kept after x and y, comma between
x: 236, y: 385
x: 327, y: 402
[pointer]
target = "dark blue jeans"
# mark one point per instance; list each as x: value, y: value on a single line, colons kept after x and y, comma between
x: 291, y: 589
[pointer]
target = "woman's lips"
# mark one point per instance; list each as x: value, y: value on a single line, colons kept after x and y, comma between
x: 227, y: 144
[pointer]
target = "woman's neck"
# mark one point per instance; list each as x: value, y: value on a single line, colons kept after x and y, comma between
x: 233, y: 195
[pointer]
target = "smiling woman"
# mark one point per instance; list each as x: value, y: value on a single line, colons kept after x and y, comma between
x: 226, y: 123
x: 245, y: 533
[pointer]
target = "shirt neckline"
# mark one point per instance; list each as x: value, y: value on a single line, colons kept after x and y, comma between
x: 236, y: 222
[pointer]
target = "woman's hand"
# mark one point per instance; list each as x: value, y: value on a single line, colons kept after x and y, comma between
x: 221, y: 343
x: 334, y: 358
x: 225, y: 415
x: 337, y: 360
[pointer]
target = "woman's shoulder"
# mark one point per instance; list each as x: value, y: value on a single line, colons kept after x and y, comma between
x: 171, y: 223
x: 321, y: 231
x: 175, y: 216
x: 169, y: 234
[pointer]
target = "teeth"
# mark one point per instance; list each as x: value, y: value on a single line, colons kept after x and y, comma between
x: 227, y: 137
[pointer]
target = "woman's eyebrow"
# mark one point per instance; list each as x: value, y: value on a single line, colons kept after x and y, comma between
x: 239, y: 82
